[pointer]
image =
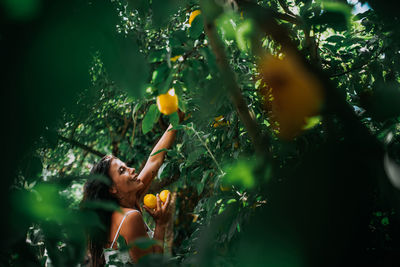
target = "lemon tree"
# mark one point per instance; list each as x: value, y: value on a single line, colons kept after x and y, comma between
x: 292, y: 127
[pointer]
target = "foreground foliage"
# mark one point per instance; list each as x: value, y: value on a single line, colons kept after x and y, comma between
x: 298, y: 167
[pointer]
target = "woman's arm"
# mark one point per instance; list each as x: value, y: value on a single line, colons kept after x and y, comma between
x: 153, y: 163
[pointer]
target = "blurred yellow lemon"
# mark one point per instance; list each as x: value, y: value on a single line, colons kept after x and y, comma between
x: 175, y: 58
x: 292, y: 94
x: 193, y: 15
x: 164, y: 195
x: 220, y: 121
x: 224, y: 188
x: 150, y: 201
x: 167, y: 103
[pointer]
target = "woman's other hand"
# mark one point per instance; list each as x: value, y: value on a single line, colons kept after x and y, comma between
x: 161, y: 214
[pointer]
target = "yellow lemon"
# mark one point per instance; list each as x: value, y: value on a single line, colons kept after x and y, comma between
x: 224, y: 188
x: 164, y: 195
x: 150, y: 201
x: 167, y: 103
x: 194, y: 14
x: 220, y: 121
x: 292, y: 95
x: 175, y: 58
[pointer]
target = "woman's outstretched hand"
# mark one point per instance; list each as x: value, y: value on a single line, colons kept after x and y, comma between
x: 161, y: 214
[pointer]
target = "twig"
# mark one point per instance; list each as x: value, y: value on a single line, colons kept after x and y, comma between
x: 207, y: 148
x: 80, y: 145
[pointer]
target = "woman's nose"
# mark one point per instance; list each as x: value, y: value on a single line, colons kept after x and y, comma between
x: 133, y: 170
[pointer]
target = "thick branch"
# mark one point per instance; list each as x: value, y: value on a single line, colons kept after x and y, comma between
x: 285, y: 7
x: 82, y: 146
x: 228, y: 76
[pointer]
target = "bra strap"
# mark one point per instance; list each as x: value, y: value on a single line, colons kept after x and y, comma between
x: 120, y: 225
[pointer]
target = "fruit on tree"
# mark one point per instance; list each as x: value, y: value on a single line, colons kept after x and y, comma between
x: 150, y: 201
x: 290, y: 93
x: 175, y: 58
x: 193, y: 15
x: 167, y: 103
x: 220, y: 121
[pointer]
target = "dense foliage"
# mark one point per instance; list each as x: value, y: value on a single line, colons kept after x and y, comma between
x: 289, y: 153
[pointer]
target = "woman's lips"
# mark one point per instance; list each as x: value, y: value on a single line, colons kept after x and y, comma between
x: 134, y: 177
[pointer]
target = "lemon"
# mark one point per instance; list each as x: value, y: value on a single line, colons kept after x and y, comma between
x: 194, y: 14
x: 175, y: 58
x: 150, y: 201
x: 224, y: 188
x: 167, y: 103
x: 220, y: 121
x: 164, y: 195
x: 292, y: 95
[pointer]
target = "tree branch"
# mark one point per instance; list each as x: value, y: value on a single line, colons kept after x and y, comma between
x: 285, y: 8
x: 80, y: 145
x: 233, y: 90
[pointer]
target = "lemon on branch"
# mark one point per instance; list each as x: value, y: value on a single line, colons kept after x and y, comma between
x: 220, y: 121
x: 164, y: 195
x: 175, y: 58
x: 167, y: 103
x: 292, y: 94
x: 150, y: 201
x: 193, y: 15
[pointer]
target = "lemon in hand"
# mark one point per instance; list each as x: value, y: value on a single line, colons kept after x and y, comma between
x: 164, y: 195
x: 167, y: 103
x: 150, y: 201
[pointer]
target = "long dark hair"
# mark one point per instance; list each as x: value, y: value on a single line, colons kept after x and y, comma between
x: 99, y: 190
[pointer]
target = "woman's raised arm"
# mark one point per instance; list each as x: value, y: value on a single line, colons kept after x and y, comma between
x: 153, y: 163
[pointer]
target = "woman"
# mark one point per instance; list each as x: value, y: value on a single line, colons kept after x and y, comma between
x: 126, y: 188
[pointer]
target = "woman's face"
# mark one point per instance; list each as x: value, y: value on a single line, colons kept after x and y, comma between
x: 125, y: 179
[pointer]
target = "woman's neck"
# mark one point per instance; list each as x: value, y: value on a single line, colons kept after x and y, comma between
x: 130, y: 202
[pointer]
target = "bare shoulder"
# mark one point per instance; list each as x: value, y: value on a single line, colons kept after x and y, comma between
x: 133, y: 225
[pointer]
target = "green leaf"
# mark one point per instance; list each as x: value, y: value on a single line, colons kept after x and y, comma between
x: 178, y: 39
x: 135, y: 109
x: 156, y: 56
x: 159, y: 151
x: 174, y: 119
x: 160, y: 74
x: 145, y: 243
x: 122, y: 245
x: 199, y: 187
x: 197, y: 27
x: 151, y: 117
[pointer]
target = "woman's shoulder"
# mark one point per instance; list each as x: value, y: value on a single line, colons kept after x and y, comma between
x: 118, y: 216
x: 128, y: 211
x: 133, y: 224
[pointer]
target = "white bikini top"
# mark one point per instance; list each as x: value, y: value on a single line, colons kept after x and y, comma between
x: 150, y: 233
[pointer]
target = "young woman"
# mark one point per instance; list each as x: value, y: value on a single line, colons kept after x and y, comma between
x: 126, y: 188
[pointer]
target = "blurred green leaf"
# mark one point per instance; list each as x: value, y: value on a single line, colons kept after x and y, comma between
x: 197, y: 27
x: 145, y: 243
x: 151, y: 117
